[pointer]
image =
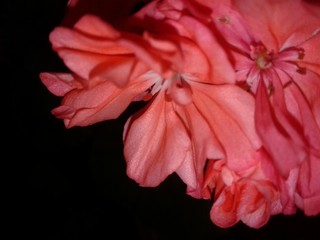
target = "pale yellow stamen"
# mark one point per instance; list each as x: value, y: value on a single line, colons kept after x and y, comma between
x: 263, y: 63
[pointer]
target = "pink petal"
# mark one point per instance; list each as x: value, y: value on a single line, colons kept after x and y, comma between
x: 155, y: 143
x: 104, y: 101
x: 308, y: 186
x: 254, y: 207
x: 91, y: 44
x: 277, y: 144
x: 119, y: 69
x: 309, y: 85
x: 229, y: 112
x: 203, y: 56
x: 204, y: 146
x: 210, y: 58
x: 150, y: 51
x: 224, y: 209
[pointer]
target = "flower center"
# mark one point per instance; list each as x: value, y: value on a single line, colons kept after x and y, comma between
x: 261, y: 56
x: 176, y: 88
x: 262, y: 61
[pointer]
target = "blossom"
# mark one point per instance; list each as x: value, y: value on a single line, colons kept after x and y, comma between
x: 231, y: 97
x: 277, y: 65
x: 196, y: 67
x: 116, y: 68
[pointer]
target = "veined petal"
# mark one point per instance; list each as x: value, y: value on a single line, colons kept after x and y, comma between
x: 280, y: 146
x: 229, y: 112
x: 205, y: 145
x: 155, y: 143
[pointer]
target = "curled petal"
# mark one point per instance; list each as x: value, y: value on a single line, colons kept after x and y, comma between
x: 82, y: 107
x: 245, y: 200
x: 59, y: 83
x: 224, y: 210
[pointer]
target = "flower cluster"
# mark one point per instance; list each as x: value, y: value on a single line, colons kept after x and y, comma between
x: 231, y: 91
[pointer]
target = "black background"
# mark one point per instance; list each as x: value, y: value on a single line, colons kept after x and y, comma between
x: 71, y: 184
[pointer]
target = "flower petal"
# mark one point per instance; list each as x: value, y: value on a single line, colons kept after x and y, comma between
x: 59, y: 83
x: 229, y: 112
x: 155, y: 143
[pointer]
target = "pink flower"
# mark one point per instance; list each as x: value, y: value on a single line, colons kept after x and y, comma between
x: 113, y: 68
x: 232, y: 97
x: 277, y: 64
x: 189, y: 93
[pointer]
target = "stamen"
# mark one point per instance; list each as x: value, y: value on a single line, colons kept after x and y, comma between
x: 261, y: 56
x: 263, y: 63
